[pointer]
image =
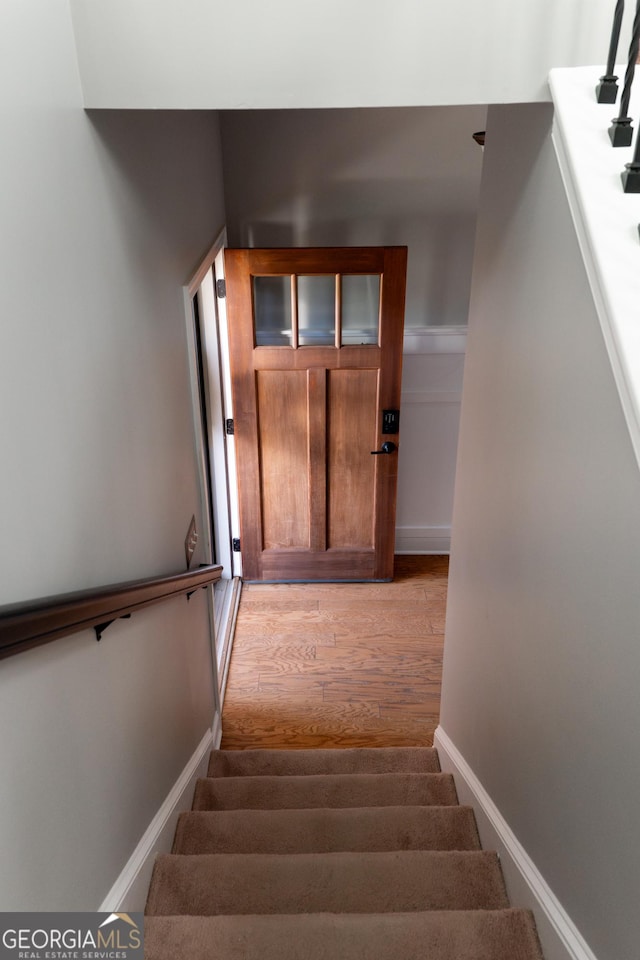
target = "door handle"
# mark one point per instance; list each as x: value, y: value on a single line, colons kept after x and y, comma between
x: 387, y: 447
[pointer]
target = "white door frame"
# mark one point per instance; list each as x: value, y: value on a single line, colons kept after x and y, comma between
x: 224, y: 367
x: 223, y: 496
x: 218, y: 491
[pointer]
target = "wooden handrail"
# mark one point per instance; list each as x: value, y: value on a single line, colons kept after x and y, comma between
x: 34, y: 622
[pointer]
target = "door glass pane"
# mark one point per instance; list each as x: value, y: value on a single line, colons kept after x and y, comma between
x: 360, y: 308
x: 272, y: 311
x: 316, y: 311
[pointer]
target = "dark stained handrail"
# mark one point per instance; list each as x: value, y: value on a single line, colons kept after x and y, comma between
x: 35, y: 622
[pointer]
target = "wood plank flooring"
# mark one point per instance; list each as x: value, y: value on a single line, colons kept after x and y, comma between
x: 343, y: 665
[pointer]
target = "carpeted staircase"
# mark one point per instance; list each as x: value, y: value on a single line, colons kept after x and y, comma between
x: 331, y: 855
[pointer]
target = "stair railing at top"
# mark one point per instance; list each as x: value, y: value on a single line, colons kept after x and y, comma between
x: 35, y: 622
x: 607, y: 89
x: 621, y: 130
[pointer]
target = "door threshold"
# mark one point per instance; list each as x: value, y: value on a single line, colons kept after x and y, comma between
x: 329, y: 580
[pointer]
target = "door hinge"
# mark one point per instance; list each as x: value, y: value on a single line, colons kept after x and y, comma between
x: 229, y: 428
x: 221, y: 289
x: 235, y: 543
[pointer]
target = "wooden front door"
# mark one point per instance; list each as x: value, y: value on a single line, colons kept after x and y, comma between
x: 315, y: 339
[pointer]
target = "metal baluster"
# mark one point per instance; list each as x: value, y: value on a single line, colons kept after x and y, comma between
x: 621, y: 131
x: 631, y: 174
x: 607, y: 89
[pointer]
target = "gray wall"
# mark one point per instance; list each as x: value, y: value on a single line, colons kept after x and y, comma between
x: 103, y: 219
x: 221, y: 55
x: 367, y: 177
x: 363, y: 177
x: 542, y: 663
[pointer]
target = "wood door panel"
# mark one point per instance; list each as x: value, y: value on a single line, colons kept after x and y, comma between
x: 283, y: 438
x: 314, y: 503
x: 317, y: 400
x: 308, y: 260
x: 311, y: 565
x: 284, y: 358
x: 352, y: 418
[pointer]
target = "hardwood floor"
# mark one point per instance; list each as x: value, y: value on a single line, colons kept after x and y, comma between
x: 318, y: 665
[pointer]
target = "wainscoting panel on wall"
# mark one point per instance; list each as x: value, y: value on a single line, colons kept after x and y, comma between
x: 431, y: 394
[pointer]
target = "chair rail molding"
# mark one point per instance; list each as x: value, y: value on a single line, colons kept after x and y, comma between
x: 425, y: 339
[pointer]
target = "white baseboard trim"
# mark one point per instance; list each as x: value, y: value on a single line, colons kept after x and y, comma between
x: 423, y: 539
x: 527, y: 888
x: 129, y: 892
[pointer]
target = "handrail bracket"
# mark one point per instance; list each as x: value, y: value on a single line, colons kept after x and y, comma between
x: 101, y: 627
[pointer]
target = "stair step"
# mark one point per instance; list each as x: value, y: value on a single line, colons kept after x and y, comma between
x: 334, y: 790
x: 415, y: 880
x: 448, y: 935
x: 327, y: 830
x: 257, y: 763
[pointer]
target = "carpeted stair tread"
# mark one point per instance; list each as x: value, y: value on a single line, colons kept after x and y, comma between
x: 448, y: 935
x: 331, y: 855
x: 258, y: 763
x: 210, y: 884
x: 327, y: 829
x: 335, y: 790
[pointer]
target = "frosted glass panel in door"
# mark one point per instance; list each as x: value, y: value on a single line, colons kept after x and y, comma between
x: 360, y: 308
x: 272, y: 311
x: 316, y: 311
